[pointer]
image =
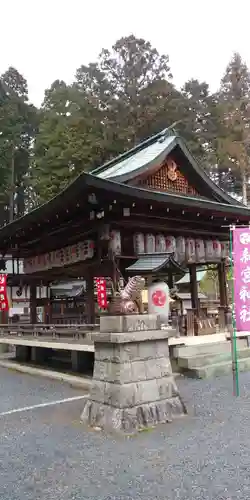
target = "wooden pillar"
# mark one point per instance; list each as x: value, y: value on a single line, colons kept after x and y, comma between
x: 170, y: 280
x: 194, y: 297
x: 90, y: 302
x: 223, y: 294
x: 33, y: 318
x: 222, y: 283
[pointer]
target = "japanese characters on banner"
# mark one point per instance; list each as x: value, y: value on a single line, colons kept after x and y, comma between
x: 4, y: 304
x: 101, y: 293
x: 241, y: 255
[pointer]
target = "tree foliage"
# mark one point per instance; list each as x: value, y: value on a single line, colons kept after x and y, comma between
x: 122, y: 98
x: 17, y: 125
x: 234, y: 117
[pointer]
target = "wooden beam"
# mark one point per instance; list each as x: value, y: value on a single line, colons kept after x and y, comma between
x: 156, y: 225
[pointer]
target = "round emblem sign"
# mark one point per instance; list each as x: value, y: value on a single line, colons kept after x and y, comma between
x: 159, y: 298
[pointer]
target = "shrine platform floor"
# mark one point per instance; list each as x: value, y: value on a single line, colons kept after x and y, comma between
x: 86, y: 344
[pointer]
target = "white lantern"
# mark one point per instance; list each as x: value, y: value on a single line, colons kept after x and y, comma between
x: 139, y: 243
x: 180, y: 249
x: 209, y: 250
x: 158, y: 300
x: 57, y: 258
x: 200, y: 250
x: 150, y: 243
x: 170, y: 244
x: 47, y: 261
x: 160, y: 243
x: 190, y: 251
x: 115, y: 242
x: 217, y: 249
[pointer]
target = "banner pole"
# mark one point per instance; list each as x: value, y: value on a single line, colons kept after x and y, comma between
x: 233, y: 336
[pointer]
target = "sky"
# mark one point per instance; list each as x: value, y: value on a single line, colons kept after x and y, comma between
x: 49, y: 39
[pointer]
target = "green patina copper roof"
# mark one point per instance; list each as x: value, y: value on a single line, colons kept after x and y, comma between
x: 150, y: 154
x: 153, y: 262
x: 141, y: 159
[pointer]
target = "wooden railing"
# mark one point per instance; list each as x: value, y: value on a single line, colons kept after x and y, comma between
x: 200, y: 324
x: 47, y: 330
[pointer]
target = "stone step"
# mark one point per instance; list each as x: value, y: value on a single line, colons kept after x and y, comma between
x: 192, y: 362
x: 213, y: 348
x: 218, y: 369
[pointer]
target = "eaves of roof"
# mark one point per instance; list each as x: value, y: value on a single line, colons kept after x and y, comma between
x: 75, y: 191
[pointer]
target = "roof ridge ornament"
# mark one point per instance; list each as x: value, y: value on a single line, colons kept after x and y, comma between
x: 169, y: 131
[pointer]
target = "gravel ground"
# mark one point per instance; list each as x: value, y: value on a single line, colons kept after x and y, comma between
x: 46, y: 453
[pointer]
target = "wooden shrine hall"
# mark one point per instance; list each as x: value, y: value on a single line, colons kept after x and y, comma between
x: 152, y: 211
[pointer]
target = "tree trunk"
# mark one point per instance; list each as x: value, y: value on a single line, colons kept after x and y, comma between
x: 244, y: 188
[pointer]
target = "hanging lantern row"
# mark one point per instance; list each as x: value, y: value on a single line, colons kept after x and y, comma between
x: 4, y: 303
x: 187, y: 250
x: 59, y: 258
x: 101, y: 293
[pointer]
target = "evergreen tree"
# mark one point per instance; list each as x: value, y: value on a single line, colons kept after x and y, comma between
x: 234, y: 116
x: 69, y: 140
x: 17, y: 125
x: 132, y: 87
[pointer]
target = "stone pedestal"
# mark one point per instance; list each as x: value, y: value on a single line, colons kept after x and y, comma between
x: 133, y: 385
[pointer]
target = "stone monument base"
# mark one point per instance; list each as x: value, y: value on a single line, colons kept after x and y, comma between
x: 133, y: 385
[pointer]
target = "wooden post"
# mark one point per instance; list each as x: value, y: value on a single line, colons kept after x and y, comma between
x: 170, y: 280
x: 90, y: 302
x: 223, y: 294
x: 33, y: 319
x: 194, y: 297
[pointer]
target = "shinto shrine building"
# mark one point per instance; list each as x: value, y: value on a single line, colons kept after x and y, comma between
x: 152, y: 211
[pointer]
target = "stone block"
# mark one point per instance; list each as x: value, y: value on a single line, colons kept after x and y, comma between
x: 146, y: 350
x: 123, y: 353
x: 130, y: 420
x: 165, y: 387
x: 141, y: 322
x: 130, y: 323
x: 121, y: 396
x: 101, y: 370
x: 164, y: 366
x: 138, y: 371
x: 128, y: 337
x: 161, y: 349
x: 152, y: 368
x: 111, y: 324
x: 97, y: 392
x: 104, y: 352
x: 146, y: 392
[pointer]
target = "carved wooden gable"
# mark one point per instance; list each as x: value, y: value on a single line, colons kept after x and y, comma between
x: 169, y: 178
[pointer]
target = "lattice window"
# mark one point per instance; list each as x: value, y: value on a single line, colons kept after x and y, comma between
x: 160, y: 182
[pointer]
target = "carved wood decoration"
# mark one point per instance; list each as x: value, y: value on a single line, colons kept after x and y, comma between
x: 169, y: 178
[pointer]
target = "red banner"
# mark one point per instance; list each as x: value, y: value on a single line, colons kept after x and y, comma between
x: 101, y: 293
x: 4, y: 304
